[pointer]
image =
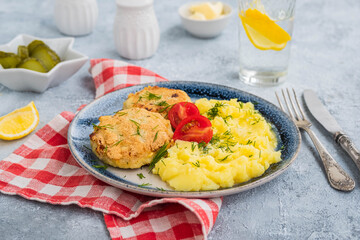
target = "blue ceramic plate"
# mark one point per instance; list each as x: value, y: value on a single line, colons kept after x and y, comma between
x: 81, y: 127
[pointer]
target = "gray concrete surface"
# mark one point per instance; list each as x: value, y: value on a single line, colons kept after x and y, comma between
x: 299, y: 204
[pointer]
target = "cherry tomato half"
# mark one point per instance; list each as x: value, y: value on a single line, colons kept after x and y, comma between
x: 194, y: 129
x: 181, y: 111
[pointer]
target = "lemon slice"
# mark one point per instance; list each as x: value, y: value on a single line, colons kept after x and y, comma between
x: 263, y: 32
x: 19, y: 123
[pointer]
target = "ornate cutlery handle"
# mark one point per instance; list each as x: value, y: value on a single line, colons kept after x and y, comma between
x: 346, y: 143
x: 337, y: 177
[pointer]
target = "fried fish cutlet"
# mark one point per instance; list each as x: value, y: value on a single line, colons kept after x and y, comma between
x: 130, y: 138
x: 156, y: 99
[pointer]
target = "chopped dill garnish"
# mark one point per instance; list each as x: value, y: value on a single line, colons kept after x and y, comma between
x: 97, y: 127
x: 119, y: 113
x: 137, y: 127
x: 87, y: 147
x: 201, y: 144
x: 106, y: 148
x: 215, y: 139
x: 152, y: 96
x: 227, y: 133
x: 260, y: 154
x: 282, y: 147
x: 255, y: 122
x: 161, y: 189
x: 158, y: 156
x: 196, y: 164
x: 250, y: 155
x: 117, y: 143
x: 214, y: 111
x: 165, y: 108
x: 249, y: 142
x: 155, y: 127
x: 140, y: 98
x: 193, y: 146
x: 223, y: 159
x: 156, y: 134
x: 226, y: 118
x: 177, y: 145
x: 163, y: 162
x: 162, y: 103
x: 100, y: 166
x: 254, y: 143
x: 140, y: 175
x: 144, y: 185
x: 241, y: 105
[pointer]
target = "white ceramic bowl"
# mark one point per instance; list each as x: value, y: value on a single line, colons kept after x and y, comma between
x: 20, y: 79
x: 204, y: 28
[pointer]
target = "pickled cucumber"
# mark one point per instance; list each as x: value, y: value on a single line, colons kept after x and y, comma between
x: 36, y: 56
x: 23, y: 52
x: 32, y: 64
x: 46, y: 56
x: 34, y: 44
x: 9, y: 60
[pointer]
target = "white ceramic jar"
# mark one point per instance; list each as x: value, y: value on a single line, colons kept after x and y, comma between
x: 76, y: 17
x: 136, y: 29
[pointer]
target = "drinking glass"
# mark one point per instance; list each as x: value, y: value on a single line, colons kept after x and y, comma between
x: 265, y: 29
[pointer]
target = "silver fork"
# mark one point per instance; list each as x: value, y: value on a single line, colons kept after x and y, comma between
x: 337, y: 177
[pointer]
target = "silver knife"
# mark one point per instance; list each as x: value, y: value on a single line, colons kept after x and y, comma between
x: 322, y: 115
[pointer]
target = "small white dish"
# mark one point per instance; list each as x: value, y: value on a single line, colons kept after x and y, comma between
x: 204, y: 28
x: 20, y: 79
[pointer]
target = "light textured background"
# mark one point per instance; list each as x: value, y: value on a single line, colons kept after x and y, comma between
x: 299, y: 204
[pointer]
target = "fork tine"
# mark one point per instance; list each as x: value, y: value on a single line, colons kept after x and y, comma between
x: 299, y: 106
x: 287, y: 105
x: 293, y: 105
x: 280, y: 104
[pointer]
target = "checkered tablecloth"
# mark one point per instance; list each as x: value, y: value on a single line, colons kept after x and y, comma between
x: 44, y: 170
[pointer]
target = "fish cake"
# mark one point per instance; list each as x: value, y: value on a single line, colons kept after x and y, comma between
x: 130, y: 138
x: 156, y: 99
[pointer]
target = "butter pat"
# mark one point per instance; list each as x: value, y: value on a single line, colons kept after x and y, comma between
x: 206, y: 11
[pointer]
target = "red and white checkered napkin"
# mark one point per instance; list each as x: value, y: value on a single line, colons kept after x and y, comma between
x: 43, y: 169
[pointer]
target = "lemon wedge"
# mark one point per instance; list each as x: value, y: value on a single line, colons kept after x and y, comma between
x: 263, y: 32
x: 19, y: 123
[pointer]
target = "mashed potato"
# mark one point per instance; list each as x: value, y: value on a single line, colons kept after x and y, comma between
x: 242, y: 148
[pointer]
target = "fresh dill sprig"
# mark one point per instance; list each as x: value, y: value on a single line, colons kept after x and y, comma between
x: 215, y: 139
x: 117, y: 143
x: 137, y: 127
x: 162, y: 103
x: 144, y: 185
x: 120, y: 114
x: 193, y: 146
x: 214, y: 111
x: 97, y: 127
x: 196, y: 164
x: 152, y: 96
x: 165, y: 108
x: 100, y: 166
x: 140, y: 175
x: 223, y: 159
x: 156, y: 135
x: 158, y: 156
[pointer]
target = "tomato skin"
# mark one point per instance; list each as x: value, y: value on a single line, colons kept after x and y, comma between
x: 194, y: 129
x: 180, y: 111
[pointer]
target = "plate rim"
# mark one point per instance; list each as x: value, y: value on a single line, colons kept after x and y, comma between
x: 185, y: 194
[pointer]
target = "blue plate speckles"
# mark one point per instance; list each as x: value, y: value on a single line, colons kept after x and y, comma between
x: 81, y: 127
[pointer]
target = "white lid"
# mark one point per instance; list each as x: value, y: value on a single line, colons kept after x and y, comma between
x: 134, y: 3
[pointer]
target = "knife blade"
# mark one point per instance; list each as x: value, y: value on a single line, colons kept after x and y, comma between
x: 322, y: 115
